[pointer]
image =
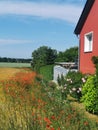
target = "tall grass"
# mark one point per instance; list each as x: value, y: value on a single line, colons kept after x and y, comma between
x: 30, y: 104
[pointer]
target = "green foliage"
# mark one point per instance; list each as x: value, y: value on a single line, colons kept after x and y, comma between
x: 95, y: 61
x: 60, y: 57
x: 69, y: 55
x: 52, y: 85
x: 61, y: 80
x: 47, y: 72
x: 61, y: 83
x: 43, y: 56
x: 90, y: 95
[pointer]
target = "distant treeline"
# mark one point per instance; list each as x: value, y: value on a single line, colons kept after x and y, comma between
x: 15, y: 60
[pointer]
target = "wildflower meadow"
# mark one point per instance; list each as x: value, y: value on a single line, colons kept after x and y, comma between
x: 30, y: 103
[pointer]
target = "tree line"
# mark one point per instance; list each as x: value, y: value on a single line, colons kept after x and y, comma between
x: 15, y: 60
x: 46, y: 56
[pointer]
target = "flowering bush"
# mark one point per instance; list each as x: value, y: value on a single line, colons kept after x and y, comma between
x: 72, y: 83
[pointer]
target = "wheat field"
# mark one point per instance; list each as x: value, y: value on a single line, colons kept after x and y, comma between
x: 6, y: 73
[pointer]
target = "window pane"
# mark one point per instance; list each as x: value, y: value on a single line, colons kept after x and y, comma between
x: 88, y: 42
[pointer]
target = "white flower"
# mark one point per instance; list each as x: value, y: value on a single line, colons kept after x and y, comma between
x: 80, y: 89
x: 70, y: 91
x: 83, y: 80
x: 65, y: 88
x: 65, y: 85
x: 71, y: 81
x: 62, y: 91
x: 73, y: 89
x: 68, y: 79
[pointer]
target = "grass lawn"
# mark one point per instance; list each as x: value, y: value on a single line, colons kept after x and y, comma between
x: 47, y: 72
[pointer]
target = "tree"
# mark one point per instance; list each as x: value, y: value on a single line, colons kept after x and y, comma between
x: 60, y: 57
x: 43, y: 56
x: 51, y: 56
x: 69, y: 55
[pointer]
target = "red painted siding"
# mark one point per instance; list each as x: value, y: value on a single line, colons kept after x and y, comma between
x: 91, y: 24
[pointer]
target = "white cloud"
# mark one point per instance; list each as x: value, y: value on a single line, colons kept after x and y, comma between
x: 67, y: 12
x: 14, y: 41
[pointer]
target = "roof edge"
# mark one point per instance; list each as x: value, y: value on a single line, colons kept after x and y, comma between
x: 83, y: 16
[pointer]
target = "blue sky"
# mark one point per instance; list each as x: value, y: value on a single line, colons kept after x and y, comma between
x: 25, y: 25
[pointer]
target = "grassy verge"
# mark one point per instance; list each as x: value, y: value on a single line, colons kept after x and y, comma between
x: 79, y: 106
x: 47, y: 72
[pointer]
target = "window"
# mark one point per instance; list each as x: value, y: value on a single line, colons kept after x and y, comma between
x: 88, y: 42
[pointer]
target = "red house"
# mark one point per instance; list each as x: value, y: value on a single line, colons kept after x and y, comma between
x: 87, y: 30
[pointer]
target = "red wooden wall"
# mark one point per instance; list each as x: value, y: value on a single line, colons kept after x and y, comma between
x: 91, y: 24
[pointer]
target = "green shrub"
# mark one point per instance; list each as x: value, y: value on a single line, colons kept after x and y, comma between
x: 95, y: 61
x: 90, y: 95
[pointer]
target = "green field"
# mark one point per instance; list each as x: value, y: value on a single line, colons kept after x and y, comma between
x: 16, y: 65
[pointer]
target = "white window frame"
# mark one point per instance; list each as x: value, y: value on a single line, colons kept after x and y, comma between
x: 88, y: 42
